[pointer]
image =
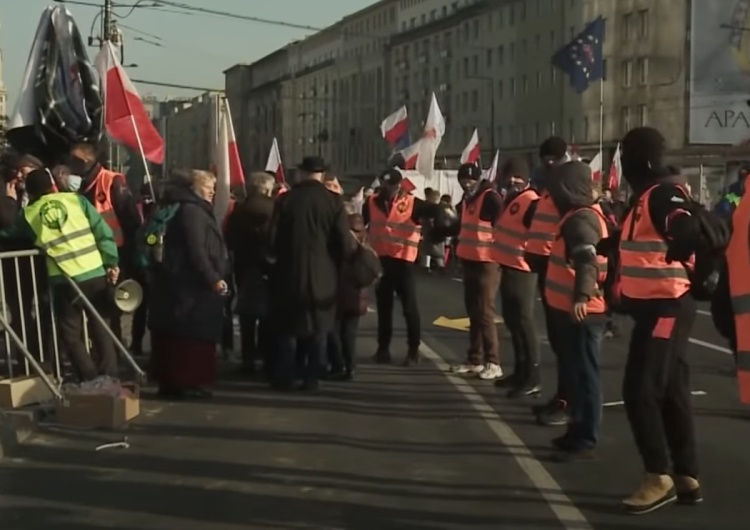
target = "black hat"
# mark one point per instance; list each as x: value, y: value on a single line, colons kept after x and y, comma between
x: 515, y: 167
x: 313, y: 164
x: 39, y: 182
x: 553, y: 146
x: 469, y: 171
x: 391, y: 177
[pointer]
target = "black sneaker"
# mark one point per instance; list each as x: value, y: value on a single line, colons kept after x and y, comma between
x: 382, y: 357
x: 412, y: 358
x: 581, y: 454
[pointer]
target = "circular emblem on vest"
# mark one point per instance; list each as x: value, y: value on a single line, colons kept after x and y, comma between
x: 472, y: 208
x: 514, y: 208
x: 401, y: 207
x: 101, y: 198
x: 54, y: 214
x: 151, y: 239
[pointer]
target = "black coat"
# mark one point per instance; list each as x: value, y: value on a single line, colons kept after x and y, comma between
x: 183, y: 303
x: 310, y: 239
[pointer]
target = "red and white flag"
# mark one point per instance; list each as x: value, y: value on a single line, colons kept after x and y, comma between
x: 395, y: 128
x: 596, y: 167
x: 125, y: 119
x: 434, y: 129
x: 411, y: 155
x: 491, y: 173
x: 227, y: 160
x: 614, y: 179
x: 274, y: 164
x: 472, y: 150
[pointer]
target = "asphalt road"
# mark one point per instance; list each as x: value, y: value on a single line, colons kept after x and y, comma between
x: 396, y: 449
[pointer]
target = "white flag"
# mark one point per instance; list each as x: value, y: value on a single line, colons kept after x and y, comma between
x: 434, y: 129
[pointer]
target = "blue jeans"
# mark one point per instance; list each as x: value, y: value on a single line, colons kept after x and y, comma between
x: 312, y: 353
x: 580, y: 351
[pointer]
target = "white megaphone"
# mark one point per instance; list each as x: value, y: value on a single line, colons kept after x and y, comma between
x: 128, y: 296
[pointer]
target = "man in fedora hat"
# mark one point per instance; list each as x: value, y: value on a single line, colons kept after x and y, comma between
x: 310, y: 240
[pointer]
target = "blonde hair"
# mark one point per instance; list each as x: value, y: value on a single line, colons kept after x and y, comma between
x: 199, y: 177
x: 260, y: 183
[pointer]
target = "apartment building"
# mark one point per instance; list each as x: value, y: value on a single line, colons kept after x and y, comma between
x: 190, y: 132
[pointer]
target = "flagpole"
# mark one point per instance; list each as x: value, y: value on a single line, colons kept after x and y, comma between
x: 601, y: 118
x: 143, y: 157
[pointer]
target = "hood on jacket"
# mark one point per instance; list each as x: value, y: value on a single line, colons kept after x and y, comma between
x: 570, y: 186
x: 643, y: 157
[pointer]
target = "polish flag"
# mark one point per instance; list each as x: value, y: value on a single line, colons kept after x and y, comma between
x: 274, y: 164
x: 395, y: 128
x: 596, y: 167
x: 614, y: 178
x: 227, y: 161
x: 472, y: 150
x: 411, y: 155
x: 434, y: 129
x: 125, y: 118
x: 491, y: 173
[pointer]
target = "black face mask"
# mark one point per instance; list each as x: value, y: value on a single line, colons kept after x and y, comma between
x: 79, y: 166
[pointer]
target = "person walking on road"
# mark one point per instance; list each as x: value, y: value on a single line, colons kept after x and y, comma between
x: 518, y: 283
x: 78, y: 244
x: 310, y: 240
x: 393, y: 218
x: 577, y: 308
x: 552, y: 152
x: 478, y: 211
x: 657, y: 245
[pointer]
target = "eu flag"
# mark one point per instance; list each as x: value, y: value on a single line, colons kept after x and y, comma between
x: 582, y: 58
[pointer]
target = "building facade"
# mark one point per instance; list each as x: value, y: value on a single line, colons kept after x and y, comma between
x: 190, y: 133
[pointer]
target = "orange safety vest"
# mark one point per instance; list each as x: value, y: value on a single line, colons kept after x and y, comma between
x: 102, y: 185
x: 543, y: 227
x: 560, y: 281
x: 395, y: 234
x: 643, y: 268
x: 738, y: 263
x: 510, y: 233
x: 475, y: 241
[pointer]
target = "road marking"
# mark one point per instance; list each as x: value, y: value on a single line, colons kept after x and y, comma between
x: 620, y: 403
x: 457, y: 279
x: 710, y: 346
x: 566, y: 512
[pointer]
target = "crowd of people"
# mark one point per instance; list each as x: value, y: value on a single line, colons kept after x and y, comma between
x: 296, y: 264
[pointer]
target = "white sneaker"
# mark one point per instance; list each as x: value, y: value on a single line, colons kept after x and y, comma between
x: 491, y: 371
x: 465, y: 369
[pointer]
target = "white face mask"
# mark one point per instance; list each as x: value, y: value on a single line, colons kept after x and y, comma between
x: 73, y: 183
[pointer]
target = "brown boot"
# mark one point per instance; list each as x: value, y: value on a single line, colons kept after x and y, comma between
x: 655, y: 491
x: 688, y: 490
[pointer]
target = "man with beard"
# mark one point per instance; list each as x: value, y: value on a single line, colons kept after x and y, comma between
x: 541, y: 235
x: 478, y: 211
x: 108, y: 192
x: 518, y: 282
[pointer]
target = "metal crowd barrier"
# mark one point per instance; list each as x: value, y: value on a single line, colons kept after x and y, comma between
x: 28, y: 322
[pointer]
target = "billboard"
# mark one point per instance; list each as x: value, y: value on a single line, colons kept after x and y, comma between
x: 720, y: 72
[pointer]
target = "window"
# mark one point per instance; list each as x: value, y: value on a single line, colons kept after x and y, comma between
x: 627, y: 73
x: 423, y: 18
x: 512, y: 82
x: 500, y: 89
x: 525, y: 84
x: 537, y: 42
x: 539, y: 80
x: 501, y: 55
x: 553, y: 76
x: 627, y: 25
x: 474, y: 101
x: 489, y: 58
x: 433, y: 14
x: 523, y: 11
x: 512, y: 15
x: 475, y: 64
x: 643, y: 24
x: 625, y: 117
x: 642, y: 115
x: 512, y: 51
x: 524, y: 47
x: 412, y: 22
x: 466, y: 67
x: 642, y: 70
x: 476, y: 29
x: 465, y: 102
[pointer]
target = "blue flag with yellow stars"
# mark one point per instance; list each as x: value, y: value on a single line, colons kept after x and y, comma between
x: 582, y: 58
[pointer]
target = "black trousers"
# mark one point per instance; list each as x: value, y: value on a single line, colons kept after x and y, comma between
x: 257, y: 339
x: 342, y: 344
x: 140, y: 318
x: 656, y: 389
x: 517, y: 298
x: 554, y: 341
x: 398, y: 277
x: 103, y: 358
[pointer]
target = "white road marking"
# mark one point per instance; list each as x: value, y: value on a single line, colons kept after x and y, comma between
x: 620, y: 403
x: 704, y: 312
x: 710, y: 346
x: 566, y: 512
x: 457, y: 279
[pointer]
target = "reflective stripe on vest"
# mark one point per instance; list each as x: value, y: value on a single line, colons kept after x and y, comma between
x: 644, y: 271
x: 510, y: 233
x: 476, y: 239
x: 560, y: 281
x: 102, y: 185
x: 63, y: 231
x: 738, y: 266
x: 543, y: 228
x: 394, y: 235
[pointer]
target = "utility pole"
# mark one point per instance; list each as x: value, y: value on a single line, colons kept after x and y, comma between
x: 107, y: 21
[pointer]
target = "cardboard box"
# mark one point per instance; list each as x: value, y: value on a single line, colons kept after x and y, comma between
x: 24, y: 391
x: 100, y: 411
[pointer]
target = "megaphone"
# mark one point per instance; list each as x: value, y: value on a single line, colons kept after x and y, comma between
x: 128, y: 296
